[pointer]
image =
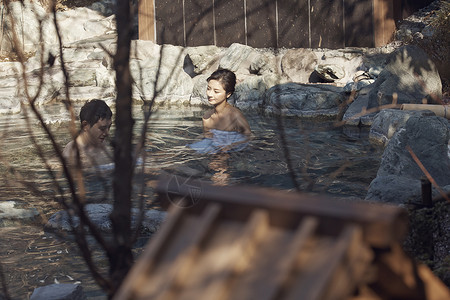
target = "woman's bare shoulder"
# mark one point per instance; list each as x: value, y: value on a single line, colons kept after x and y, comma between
x: 208, y: 114
x: 237, y: 112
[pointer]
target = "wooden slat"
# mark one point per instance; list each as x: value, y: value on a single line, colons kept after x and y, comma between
x: 138, y: 276
x: 315, y: 278
x: 199, y: 20
x: 229, y: 22
x: 327, y: 30
x: 178, y: 249
x: 384, y: 24
x: 254, y: 281
x: 293, y: 24
x: 358, y: 23
x: 352, y: 271
x: 169, y: 22
x: 261, y: 23
x: 146, y: 20
x: 238, y: 257
x: 179, y: 269
x: 287, y: 260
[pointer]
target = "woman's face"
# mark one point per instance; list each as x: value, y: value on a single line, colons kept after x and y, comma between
x: 215, y: 92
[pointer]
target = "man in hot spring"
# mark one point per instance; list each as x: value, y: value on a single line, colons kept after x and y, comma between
x: 95, y: 118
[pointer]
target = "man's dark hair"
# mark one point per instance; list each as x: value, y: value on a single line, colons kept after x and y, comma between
x: 95, y: 110
x: 226, y: 77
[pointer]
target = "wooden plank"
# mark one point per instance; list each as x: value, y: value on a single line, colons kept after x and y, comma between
x: 237, y: 259
x: 229, y: 22
x: 382, y: 224
x: 146, y: 20
x: 287, y: 260
x: 261, y: 23
x: 199, y: 20
x: 184, y: 262
x: 169, y: 22
x: 358, y: 23
x: 293, y: 24
x: 138, y: 276
x: 254, y: 281
x: 384, y: 24
x: 315, y: 277
x: 179, y: 251
x: 352, y: 270
x: 327, y: 30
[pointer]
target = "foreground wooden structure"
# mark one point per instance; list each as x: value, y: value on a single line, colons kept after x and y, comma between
x: 246, y: 243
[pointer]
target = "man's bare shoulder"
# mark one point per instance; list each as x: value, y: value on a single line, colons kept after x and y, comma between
x: 69, y: 149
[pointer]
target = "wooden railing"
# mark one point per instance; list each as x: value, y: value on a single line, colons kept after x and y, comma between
x: 240, y: 242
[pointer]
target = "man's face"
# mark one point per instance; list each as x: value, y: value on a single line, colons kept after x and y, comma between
x: 99, y: 131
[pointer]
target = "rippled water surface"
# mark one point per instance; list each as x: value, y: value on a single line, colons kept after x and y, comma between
x: 323, y: 158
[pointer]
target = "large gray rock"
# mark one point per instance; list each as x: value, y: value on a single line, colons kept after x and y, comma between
x: 409, y: 76
x: 84, y: 23
x: 99, y: 215
x: 357, y: 113
x: 9, y: 104
x: 389, y: 121
x: 202, y: 59
x: 63, y: 291
x: 105, y: 7
x: 162, y: 77
x: 329, y: 72
x: 399, y: 190
x: 356, y: 86
x: 292, y: 99
x: 13, y: 213
x: 398, y: 179
x: 394, y: 189
x: 298, y: 64
x: 30, y: 18
x: 349, y: 60
x: 251, y: 91
x: 428, y: 138
x: 26, y: 16
x: 264, y: 63
x: 238, y: 58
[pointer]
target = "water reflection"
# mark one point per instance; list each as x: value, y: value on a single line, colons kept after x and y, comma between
x: 323, y: 159
x: 219, y: 166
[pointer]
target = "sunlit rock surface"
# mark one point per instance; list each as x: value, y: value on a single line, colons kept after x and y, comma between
x: 12, y: 213
x: 99, y: 215
x: 388, y: 121
x: 427, y: 137
x: 63, y: 291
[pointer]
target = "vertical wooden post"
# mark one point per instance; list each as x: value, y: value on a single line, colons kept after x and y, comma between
x: 383, y: 19
x: 426, y: 192
x: 146, y: 19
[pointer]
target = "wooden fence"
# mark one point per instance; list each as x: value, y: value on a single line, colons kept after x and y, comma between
x: 273, y: 23
x: 269, y: 23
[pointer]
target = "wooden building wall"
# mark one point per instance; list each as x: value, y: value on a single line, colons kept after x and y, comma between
x: 268, y: 23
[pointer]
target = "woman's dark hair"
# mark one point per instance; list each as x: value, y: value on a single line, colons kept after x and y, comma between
x: 95, y: 110
x: 226, y: 77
